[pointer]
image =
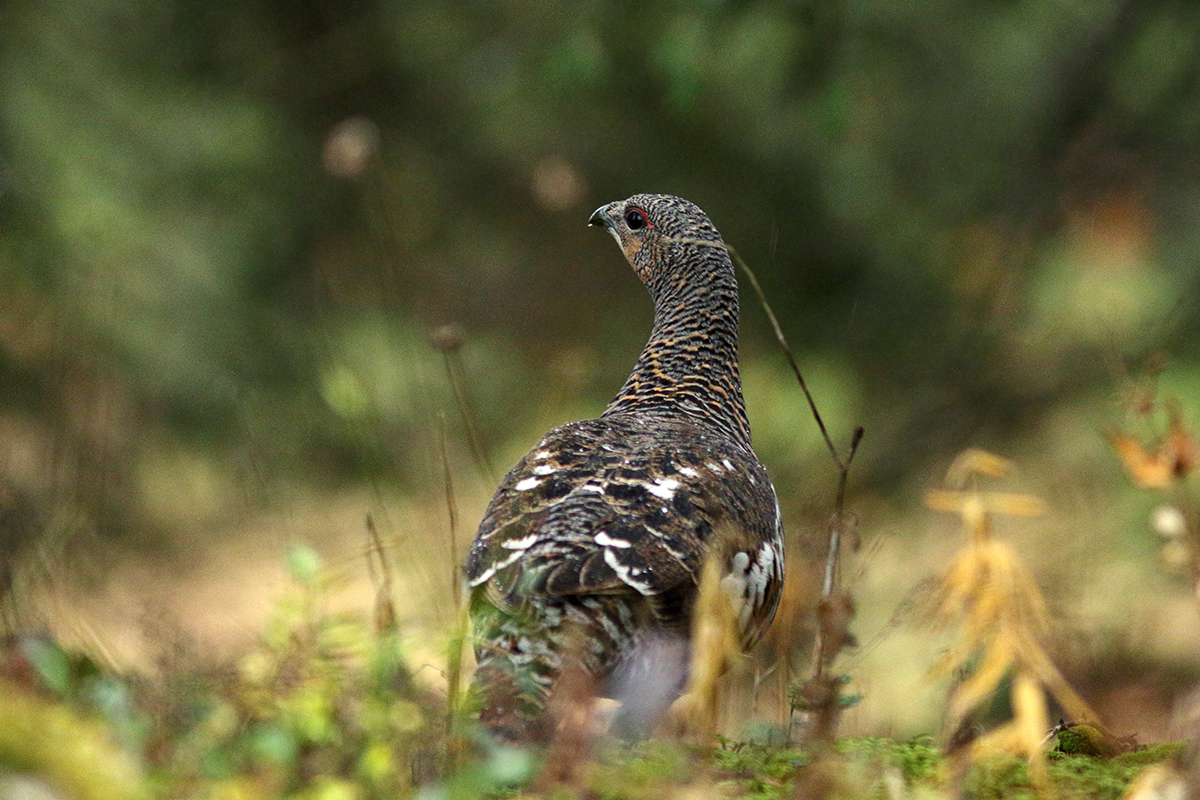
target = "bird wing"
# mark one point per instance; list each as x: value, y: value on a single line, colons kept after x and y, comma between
x: 609, y: 506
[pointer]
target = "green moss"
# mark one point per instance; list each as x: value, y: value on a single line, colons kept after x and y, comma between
x: 1086, y: 776
x: 917, y: 759
x: 646, y: 772
x: 1151, y: 754
x: 757, y: 769
x: 1073, y: 775
x: 1000, y: 778
x: 65, y: 748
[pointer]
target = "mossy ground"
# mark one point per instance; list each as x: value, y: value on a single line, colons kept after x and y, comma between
x: 855, y: 768
x: 328, y: 707
x: 366, y: 734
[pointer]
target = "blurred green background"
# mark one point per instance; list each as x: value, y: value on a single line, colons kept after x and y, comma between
x: 229, y: 230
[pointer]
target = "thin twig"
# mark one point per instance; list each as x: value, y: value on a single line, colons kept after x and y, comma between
x: 451, y: 510
x: 448, y: 340
x: 454, y: 369
x: 458, y: 638
x: 843, y: 466
x: 835, y: 523
x: 385, y: 605
x: 821, y: 654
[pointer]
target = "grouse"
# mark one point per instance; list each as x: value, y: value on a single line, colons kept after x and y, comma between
x: 594, y: 543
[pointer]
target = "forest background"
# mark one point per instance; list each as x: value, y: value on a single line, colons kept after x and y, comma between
x: 232, y: 235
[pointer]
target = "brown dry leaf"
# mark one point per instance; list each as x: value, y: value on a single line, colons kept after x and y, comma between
x: 1148, y: 470
x: 1157, y: 467
x: 834, y: 614
x: 1180, y: 447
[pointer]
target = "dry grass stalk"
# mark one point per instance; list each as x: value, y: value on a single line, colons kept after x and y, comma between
x: 448, y: 340
x: 992, y: 599
x: 577, y: 721
x: 455, y: 647
x: 456, y: 699
x: 379, y: 569
x: 715, y: 650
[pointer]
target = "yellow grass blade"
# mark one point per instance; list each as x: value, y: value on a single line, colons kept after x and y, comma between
x: 981, y: 683
x: 972, y: 462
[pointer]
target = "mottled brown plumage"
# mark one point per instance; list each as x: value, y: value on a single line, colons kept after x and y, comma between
x: 595, y: 541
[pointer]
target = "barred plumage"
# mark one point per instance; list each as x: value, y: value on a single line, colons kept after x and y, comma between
x: 595, y: 541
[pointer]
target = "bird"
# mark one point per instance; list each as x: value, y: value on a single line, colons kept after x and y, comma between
x: 594, y: 544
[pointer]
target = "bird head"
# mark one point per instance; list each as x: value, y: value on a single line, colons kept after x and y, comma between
x: 648, y: 226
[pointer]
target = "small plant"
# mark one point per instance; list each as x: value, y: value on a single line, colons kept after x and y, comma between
x: 325, y: 704
x: 65, y: 721
x: 991, y: 598
x: 1159, y: 460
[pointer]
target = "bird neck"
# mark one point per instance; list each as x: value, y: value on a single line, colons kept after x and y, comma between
x: 689, y: 367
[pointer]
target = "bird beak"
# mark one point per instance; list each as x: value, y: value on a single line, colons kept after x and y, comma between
x: 598, y: 218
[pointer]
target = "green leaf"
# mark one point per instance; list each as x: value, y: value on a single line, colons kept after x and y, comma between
x: 51, y: 664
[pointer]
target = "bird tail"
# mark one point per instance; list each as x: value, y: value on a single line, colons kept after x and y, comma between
x: 541, y: 665
x: 518, y: 664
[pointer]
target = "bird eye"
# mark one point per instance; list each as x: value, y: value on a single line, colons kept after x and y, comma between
x: 635, y: 218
